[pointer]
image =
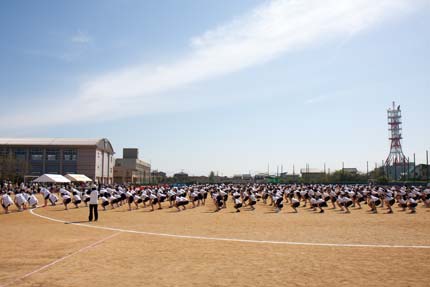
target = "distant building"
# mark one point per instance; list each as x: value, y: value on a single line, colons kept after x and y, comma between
x: 242, y: 178
x: 158, y: 176
x: 350, y: 170
x: 92, y: 157
x: 180, y: 177
x: 130, y: 169
x: 285, y: 177
x: 312, y: 174
x: 420, y: 172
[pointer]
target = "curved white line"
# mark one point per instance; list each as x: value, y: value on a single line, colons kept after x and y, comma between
x: 234, y: 239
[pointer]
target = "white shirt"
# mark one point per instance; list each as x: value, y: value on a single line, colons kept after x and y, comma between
x: 94, y: 196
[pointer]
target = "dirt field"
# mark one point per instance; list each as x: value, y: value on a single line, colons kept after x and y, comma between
x: 33, y: 248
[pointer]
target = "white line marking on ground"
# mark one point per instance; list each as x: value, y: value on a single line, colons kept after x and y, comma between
x: 60, y: 259
x: 234, y: 239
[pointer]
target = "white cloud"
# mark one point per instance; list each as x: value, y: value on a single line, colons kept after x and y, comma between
x: 271, y: 29
x: 81, y: 38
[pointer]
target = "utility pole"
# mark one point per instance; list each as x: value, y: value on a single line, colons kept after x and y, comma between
x: 427, y: 163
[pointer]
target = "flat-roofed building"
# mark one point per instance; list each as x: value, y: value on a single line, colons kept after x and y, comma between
x: 130, y: 169
x: 37, y: 156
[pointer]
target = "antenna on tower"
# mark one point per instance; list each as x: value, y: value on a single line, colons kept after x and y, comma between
x: 396, y: 156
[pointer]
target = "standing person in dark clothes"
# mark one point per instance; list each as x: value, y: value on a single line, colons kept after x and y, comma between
x: 94, y: 203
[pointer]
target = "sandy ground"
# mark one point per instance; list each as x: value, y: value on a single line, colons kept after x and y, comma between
x: 29, y: 242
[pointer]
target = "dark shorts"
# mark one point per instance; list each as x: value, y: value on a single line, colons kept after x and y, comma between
x: 392, y: 201
x: 220, y: 203
x: 181, y: 203
x: 252, y: 203
x: 130, y: 199
x: 239, y: 205
x: 77, y: 201
x: 139, y: 200
x: 333, y: 199
x: 146, y: 199
x: 104, y: 203
x: 265, y: 196
x: 226, y: 197
x: 162, y: 198
x: 67, y: 201
x: 295, y: 204
x: 205, y: 195
x: 413, y: 205
x: 86, y: 199
x: 155, y: 201
x: 348, y: 203
x: 123, y: 196
x: 378, y: 202
x: 172, y: 198
x: 47, y: 197
x: 200, y: 196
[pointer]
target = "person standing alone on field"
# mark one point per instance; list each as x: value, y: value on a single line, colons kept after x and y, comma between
x: 94, y: 203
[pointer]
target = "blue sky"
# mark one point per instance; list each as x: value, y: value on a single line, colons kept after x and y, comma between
x: 229, y: 86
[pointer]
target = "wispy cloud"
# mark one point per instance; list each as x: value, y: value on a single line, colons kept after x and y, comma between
x: 263, y: 34
x: 80, y: 38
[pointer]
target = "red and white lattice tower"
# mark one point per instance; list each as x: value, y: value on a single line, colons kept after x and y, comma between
x: 396, y: 155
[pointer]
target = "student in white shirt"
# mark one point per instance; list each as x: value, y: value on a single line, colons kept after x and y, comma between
x: 6, y: 201
x: 252, y: 200
x: 45, y: 193
x: 94, y: 203
x: 181, y: 201
x: 237, y: 204
x: 294, y: 204
x: 20, y: 201
x: 32, y: 201
x: 412, y: 204
x: 76, y: 198
x: 65, y: 195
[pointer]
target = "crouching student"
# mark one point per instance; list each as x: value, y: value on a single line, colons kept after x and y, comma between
x: 32, y: 200
x: 76, y: 199
x: 181, y: 201
x: 6, y: 201
x: 172, y: 197
x: 294, y: 204
x: 412, y: 204
x: 237, y: 204
x: 66, y: 198
x: 373, y: 202
x: 277, y: 199
x: 344, y: 203
x: 218, y: 201
x: 86, y: 197
x: 20, y: 201
x: 53, y: 199
x: 105, y: 201
x: 252, y: 201
x: 45, y: 193
x: 389, y: 201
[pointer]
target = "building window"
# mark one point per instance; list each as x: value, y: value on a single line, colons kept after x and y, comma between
x: 52, y: 154
x: 70, y: 154
x: 4, y: 151
x: 36, y: 154
x: 20, y: 154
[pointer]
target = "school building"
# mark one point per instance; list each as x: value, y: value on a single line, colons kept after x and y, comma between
x: 33, y: 157
x: 131, y: 169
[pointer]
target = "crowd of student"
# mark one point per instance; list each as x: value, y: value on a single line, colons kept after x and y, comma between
x: 315, y: 197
